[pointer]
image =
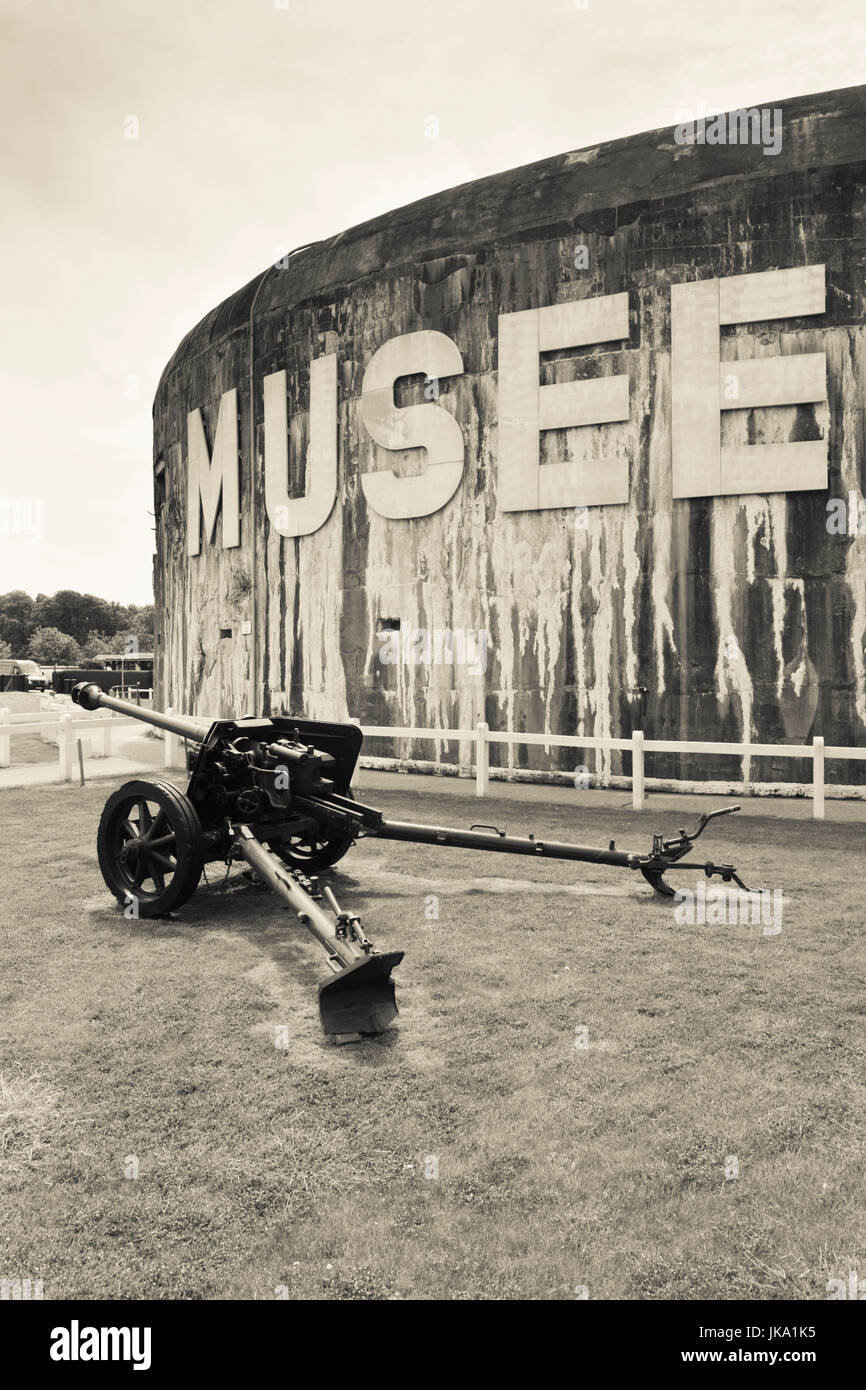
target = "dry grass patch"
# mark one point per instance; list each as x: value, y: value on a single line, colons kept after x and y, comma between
x: 29, y: 1116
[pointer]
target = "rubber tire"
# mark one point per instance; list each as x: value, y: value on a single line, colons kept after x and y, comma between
x: 189, y: 838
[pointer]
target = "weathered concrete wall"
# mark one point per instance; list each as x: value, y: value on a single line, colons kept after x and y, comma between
x: 626, y: 622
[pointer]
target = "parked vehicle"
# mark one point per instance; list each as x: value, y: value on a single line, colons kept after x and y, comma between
x: 22, y: 674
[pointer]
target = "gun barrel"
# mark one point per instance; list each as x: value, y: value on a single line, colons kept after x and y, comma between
x: 501, y: 843
x: 90, y: 697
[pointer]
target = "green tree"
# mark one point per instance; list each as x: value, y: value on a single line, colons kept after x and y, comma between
x: 51, y: 647
x: 5, y: 650
x: 78, y: 614
x: 17, y: 620
x: 139, y: 621
x: 99, y: 642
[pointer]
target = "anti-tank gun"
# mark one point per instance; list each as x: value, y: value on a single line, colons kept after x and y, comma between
x: 276, y: 792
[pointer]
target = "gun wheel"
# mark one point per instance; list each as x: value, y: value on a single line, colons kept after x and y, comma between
x: 150, y: 847
x: 315, y: 849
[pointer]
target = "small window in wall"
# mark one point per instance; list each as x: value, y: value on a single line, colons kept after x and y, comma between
x: 225, y: 632
x: 390, y: 625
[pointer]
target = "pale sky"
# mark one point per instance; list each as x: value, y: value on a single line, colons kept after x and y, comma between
x: 262, y: 127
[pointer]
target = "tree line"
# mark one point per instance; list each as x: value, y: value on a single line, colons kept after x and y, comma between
x: 65, y: 628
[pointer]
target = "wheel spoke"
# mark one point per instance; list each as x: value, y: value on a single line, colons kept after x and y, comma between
x: 161, y: 842
x: 128, y: 829
x: 308, y: 843
x: 145, y: 819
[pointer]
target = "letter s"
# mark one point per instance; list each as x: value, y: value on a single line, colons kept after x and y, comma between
x: 428, y: 426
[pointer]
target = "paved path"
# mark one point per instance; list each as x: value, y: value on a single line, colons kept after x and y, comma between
x: 131, y: 755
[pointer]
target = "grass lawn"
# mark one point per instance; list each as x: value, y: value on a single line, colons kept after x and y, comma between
x: 30, y: 748
x: 312, y: 1170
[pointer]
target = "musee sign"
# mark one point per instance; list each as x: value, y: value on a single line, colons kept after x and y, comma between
x: 702, y: 386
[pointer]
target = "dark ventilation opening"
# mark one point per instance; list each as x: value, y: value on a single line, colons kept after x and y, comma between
x: 225, y: 632
x: 390, y: 625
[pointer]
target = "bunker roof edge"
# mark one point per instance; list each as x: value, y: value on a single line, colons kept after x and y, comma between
x: 820, y: 129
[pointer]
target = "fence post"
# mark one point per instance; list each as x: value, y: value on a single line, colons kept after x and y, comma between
x: 5, y: 740
x: 171, y: 742
x: 482, y: 765
x: 64, y: 744
x: 353, y: 783
x: 818, y: 778
x: 637, y: 787
x: 106, y: 741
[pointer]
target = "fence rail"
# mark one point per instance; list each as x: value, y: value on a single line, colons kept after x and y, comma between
x: 68, y: 727
x: 637, y: 745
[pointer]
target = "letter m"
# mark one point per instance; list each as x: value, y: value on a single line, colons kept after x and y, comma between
x: 211, y: 477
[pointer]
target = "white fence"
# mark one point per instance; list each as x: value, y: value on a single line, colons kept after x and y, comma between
x: 68, y: 728
x: 637, y: 745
